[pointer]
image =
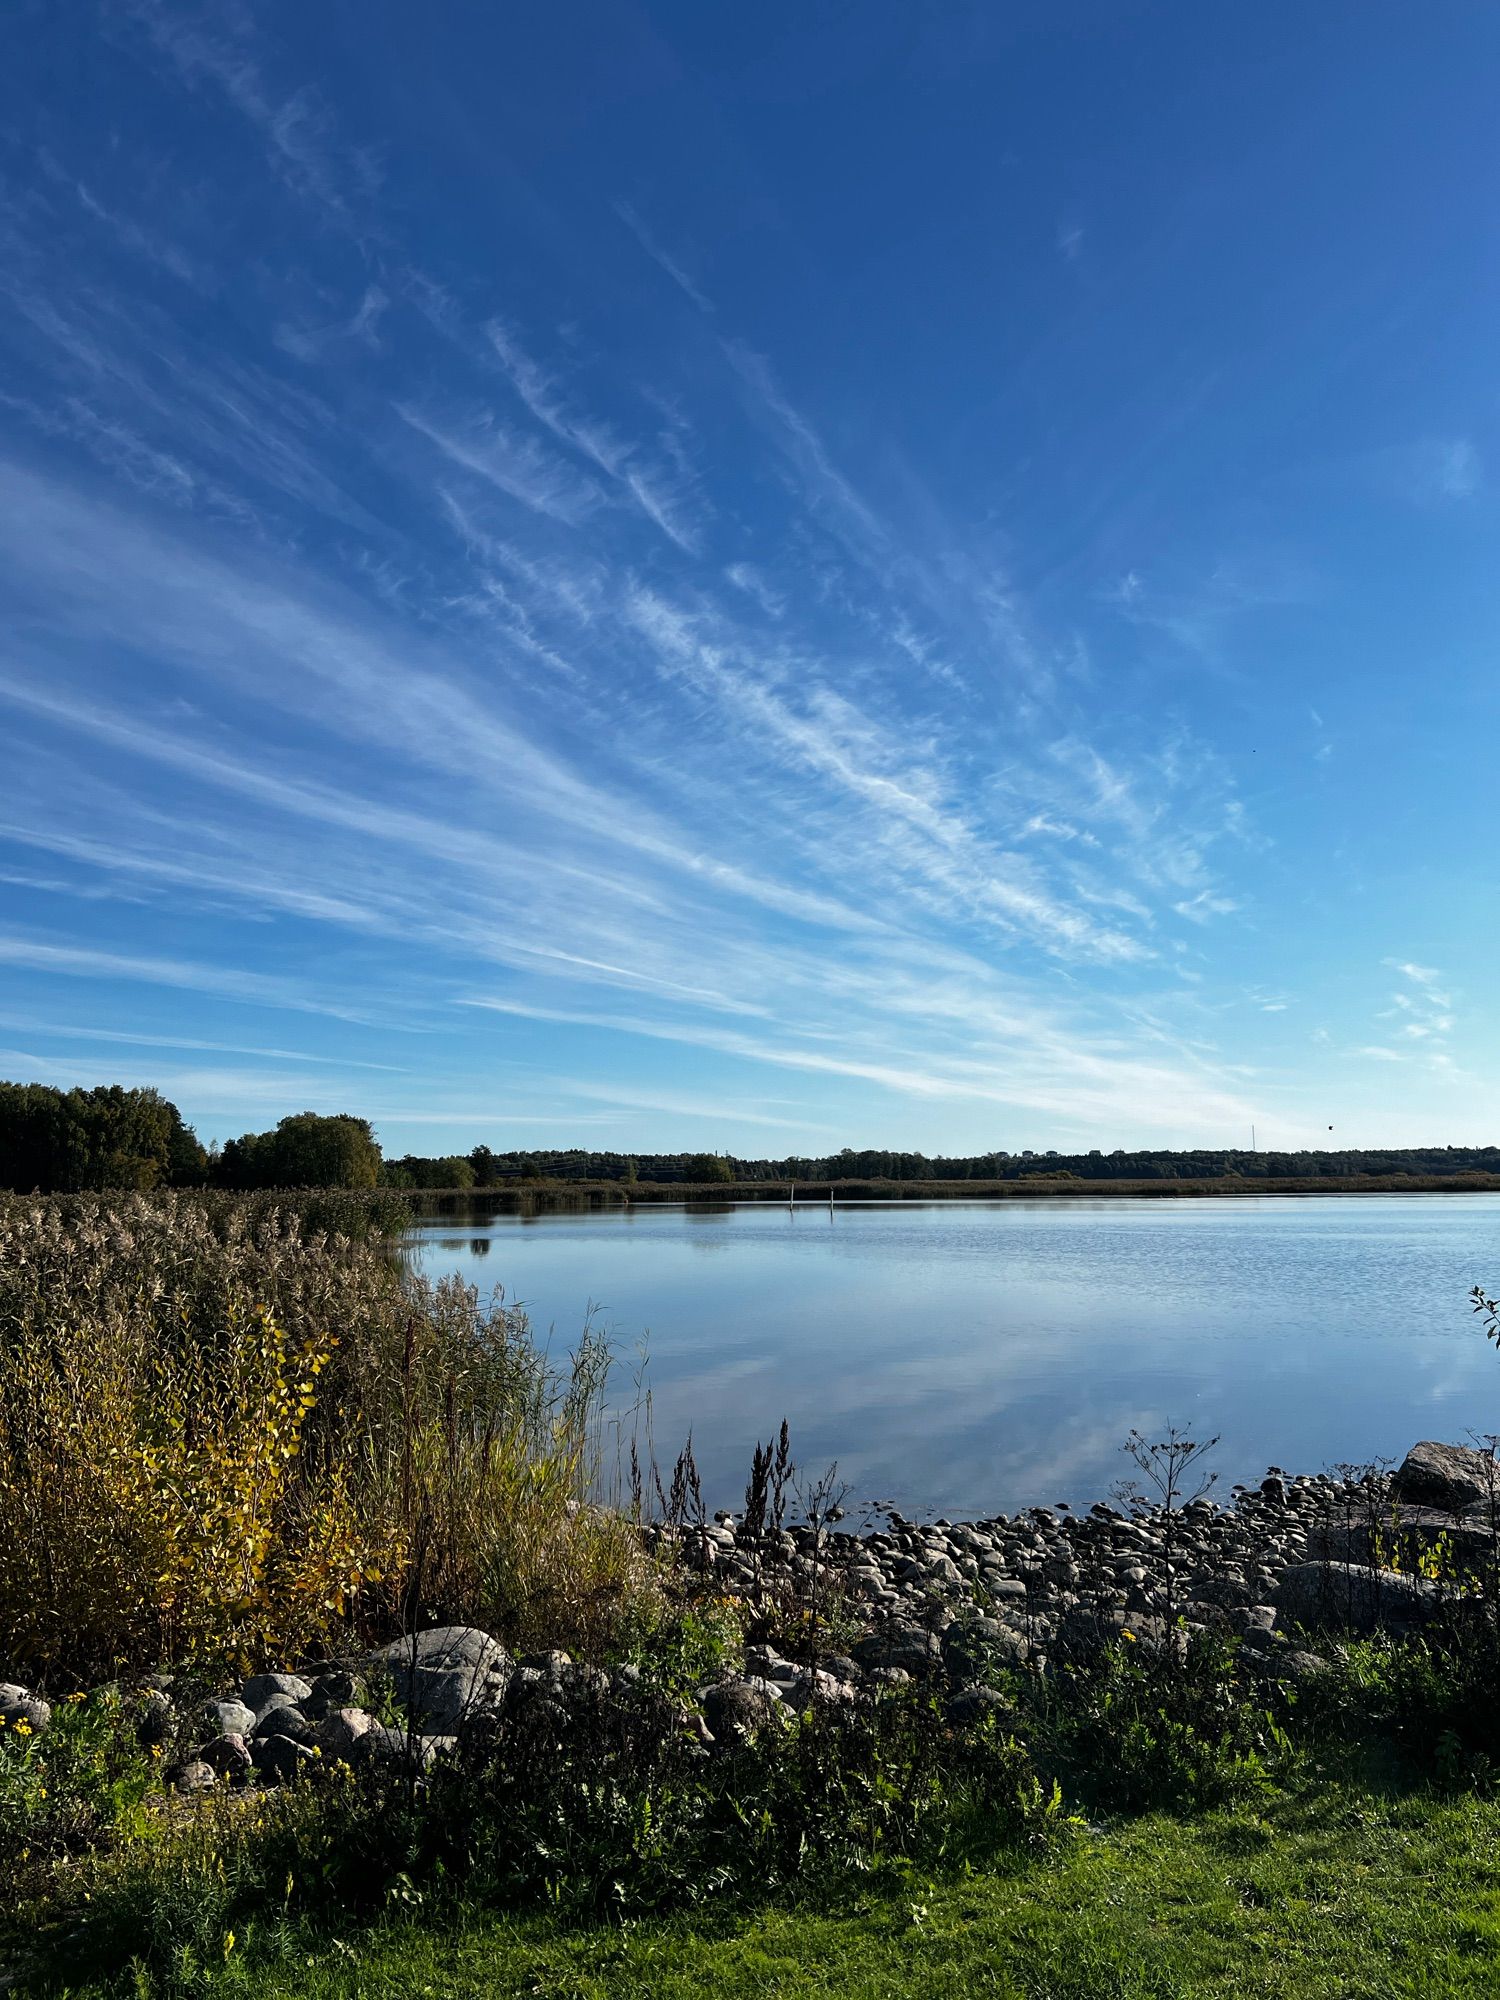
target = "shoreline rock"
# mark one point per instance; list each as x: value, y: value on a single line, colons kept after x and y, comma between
x: 954, y: 1605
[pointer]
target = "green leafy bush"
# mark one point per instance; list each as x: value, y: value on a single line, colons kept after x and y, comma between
x: 1167, y: 1724
x: 84, y: 1781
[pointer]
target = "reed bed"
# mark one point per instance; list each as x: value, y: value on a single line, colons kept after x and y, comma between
x: 228, y: 1433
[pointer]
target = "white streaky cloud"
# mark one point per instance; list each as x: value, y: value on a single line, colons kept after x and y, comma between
x: 826, y: 489
x: 225, y: 423
x: 748, y: 578
x: 1058, y: 829
x: 1453, y: 468
x: 56, y: 1031
x: 712, y: 1109
x: 1203, y: 907
x: 832, y: 739
x: 621, y: 461
x: 220, y: 1092
x: 1077, y: 1083
x: 674, y: 270
x: 505, y: 732
x: 1420, y: 975
x: 139, y: 241
x: 552, y: 791
x: 212, y: 46
x: 516, y: 465
x: 470, y: 1115
x: 312, y: 343
x: 228, y: 983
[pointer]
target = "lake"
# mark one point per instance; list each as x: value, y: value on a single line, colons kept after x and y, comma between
x: 962, y: 1359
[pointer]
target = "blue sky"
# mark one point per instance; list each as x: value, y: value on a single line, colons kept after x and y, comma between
x: 754, y: 578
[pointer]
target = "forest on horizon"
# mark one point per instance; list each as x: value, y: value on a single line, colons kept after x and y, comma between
x: 75, y: 1141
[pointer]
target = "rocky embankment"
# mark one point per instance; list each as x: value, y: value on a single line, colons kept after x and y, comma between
x: 954, y: 1605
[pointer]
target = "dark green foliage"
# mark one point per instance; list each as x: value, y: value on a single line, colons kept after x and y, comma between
x: 84, y: 1781
x: 80, y: 1140
x: 413, y: 1170
x: 1147, y: 1725
x: 306, y: 1150
x: 604, y: 1808
x: 55, y: 1141
x: 614, y: 1807
x: 1434, y: 1699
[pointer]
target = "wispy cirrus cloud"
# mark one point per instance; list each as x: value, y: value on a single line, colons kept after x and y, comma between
x: 214, y: 47
x: 230, y: 983
x: 673, y: 267
x: 518, y: 465
x: 659, y: 501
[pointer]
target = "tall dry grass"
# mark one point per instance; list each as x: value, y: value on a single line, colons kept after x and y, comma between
x: 225, y: 1434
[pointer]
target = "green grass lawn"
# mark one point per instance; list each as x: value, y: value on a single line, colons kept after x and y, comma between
x: 1328, y: 1890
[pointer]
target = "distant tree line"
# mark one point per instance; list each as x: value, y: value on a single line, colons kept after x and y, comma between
x: 76, y: 1140
x: 491, y: 1169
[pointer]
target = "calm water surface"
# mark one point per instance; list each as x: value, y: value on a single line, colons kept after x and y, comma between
x: 963, y: 1359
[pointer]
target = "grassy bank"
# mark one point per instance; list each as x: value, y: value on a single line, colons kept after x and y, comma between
x: 1327, y: 1887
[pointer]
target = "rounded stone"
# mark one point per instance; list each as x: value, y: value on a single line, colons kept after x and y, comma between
x: 262, y: 1690
x: 228, y: 1756
x: 282, y: 1758
x: 18, y: 1704
x: 194, y: 1776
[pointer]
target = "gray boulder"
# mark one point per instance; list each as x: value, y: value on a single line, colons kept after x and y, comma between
x: 446, y: 1675
x: 282, y: 1758
x: 811, y: 1686
x: 1406, y: 1534
x: 392, y: 1749
x: 154, y: 1724
x: 736, y: 1710
x: 283, y: 1720
x: 973, y: 1705
x: 379, y: 1744
x: 193, y: 1776
x: 1329, y: 1596
x: 261, y: 1690
x: 1450, y: 1476
x: 229, y: 1718
x: 330, y: 1691
x: 1086, y: 1629
x: 911, y: 1648
x: 1226, y: 1593
x: 228, y: 1757
x: 552, y: 1664
x: 18, y: 1704
x: 1302, y: 1667
x: 978, y: 1645
x: 341, y: 1729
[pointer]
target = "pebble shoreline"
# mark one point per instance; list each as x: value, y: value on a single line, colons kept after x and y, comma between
x: 951, y: 1604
